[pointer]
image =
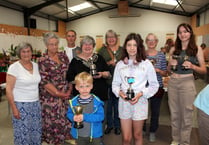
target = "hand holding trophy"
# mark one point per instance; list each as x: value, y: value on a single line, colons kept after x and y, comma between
x: 78, y: 110
x: 130, y: 92
x: 92, y: 66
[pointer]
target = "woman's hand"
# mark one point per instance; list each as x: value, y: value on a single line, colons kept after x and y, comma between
x: 16, y: 113
x: 136, y: 98
x: 122, y: 95
x: 187, y: 65
x: 99, y: 75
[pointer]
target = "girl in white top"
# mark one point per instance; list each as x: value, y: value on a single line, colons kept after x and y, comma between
x: 23, y: 95
x: 134, y: 72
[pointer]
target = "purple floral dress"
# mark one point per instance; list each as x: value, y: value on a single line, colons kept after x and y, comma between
x: 56, y: 126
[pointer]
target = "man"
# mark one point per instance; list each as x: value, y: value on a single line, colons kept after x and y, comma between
x: 71, y: 50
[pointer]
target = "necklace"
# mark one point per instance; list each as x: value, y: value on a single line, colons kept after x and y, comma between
x: 27, y: 67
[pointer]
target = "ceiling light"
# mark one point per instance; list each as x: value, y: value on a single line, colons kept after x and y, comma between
x: 167, y: 2
x: 80, y: 7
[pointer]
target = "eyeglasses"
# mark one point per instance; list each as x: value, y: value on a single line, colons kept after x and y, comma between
x: 111, y: 37
x: 151, y: 40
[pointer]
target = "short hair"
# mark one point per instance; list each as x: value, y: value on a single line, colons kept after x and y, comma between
x: 71, y: 31
x: 111, y: 32
x: 83, y: 76
x: 151, y: 34
x: 21, y: 46
x: 87, y: 39
x: 49, y: 35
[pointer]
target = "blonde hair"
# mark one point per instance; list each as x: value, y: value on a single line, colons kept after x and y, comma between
x: 83, y: 76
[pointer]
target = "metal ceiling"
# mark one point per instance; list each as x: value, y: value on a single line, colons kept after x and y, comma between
x: 57, y: 9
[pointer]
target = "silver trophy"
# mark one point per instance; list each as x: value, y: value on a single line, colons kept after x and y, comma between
x: 130, y: 92
x: 92, y: 66
x: 174, y: 67
x: 78, y: 110
x: 185, y: 58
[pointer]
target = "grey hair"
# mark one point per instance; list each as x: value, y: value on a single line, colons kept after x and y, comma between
x: 21, y: 46
x: 49, y: 35
x: 109, y: 32
x: 87, y: 39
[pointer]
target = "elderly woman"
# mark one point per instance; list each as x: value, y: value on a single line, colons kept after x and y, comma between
x: 83, y: 62
x: 22, y: 92
x: 54, y: 92
x: 159, y: 62
x: 111, y: 53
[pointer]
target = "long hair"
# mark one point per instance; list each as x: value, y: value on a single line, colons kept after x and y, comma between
x: 192, y: 47
x: 140, y: 47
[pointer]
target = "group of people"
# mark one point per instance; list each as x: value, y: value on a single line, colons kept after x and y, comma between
x: 113, y: 88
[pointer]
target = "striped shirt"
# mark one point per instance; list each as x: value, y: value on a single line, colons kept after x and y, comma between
x: 160, y: 63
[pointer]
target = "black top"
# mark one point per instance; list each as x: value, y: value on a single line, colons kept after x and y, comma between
x: 100, y: 87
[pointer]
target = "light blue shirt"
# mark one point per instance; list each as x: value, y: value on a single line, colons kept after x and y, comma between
x: 202, y: 100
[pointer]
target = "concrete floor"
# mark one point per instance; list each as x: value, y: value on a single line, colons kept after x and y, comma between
x: 163, y: 134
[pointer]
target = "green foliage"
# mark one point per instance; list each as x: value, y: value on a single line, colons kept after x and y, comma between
x: 12, y: 50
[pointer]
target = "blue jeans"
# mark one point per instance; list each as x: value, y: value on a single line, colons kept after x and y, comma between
x: 112, y: 110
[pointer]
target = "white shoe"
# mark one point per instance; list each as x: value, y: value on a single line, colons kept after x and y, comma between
x: 152, y: 137
x: 174, y: 143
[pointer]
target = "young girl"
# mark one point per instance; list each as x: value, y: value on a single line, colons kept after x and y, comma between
x: 134, y: 74
x: 187, y: 58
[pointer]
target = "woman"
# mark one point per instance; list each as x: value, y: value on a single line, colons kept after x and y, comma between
x: 84, y: 61
x: 159, y: 62
x: 132, y: 74
x: 202, y: 104
x: 111, y: 52
x: 22, y: 92
x: 185, y: 58
x: 54, y: 92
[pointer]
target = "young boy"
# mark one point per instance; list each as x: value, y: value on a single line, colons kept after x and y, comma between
x: 92, y: 115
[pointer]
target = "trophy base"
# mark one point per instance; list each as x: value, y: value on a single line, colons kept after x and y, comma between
x: 78, y: 126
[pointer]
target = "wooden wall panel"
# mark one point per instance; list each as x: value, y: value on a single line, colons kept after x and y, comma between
x: 33, y: 32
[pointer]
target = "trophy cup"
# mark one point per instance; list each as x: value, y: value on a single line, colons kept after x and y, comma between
x: 78, y: 110
x: 185, y: 58
x: 92, y: 66
x: 174, y: 67
x: 153, y: 61
x: 130, y: 92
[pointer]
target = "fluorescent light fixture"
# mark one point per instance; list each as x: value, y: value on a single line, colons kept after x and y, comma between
x: 167, y: 2
x: 80, y: 7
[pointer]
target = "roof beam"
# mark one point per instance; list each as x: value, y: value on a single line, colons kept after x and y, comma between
x: 30, y: 11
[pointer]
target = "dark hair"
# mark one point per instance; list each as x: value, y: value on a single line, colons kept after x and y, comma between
x: 192, y: 47
x: 140, y: 47
x: 203, y: 45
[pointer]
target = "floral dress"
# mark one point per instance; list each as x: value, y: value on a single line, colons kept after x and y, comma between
x: 56, y: 126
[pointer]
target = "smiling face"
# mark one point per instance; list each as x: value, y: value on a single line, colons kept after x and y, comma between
x: 111, y: 40
x: 87, y: 48
x: 151, y: 41
x: 26, y: 54
x: 52, y: 45
x: 183, y: 34
x: 131, y: 48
